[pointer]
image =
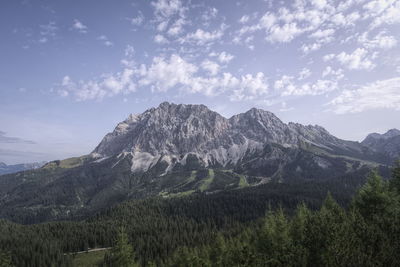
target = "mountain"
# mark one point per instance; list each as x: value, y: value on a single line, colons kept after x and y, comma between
x: 6, y: 169
x: 177, y: 150
x: 171, y: 133
x: 387, y: 143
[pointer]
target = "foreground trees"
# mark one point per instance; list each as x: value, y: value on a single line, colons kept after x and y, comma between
x: 367, y: 234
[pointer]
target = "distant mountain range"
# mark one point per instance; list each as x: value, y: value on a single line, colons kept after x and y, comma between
x: 6, y: 169
x: 177, y: 150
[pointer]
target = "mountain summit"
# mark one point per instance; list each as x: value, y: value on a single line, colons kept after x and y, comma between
x: 170, y: 133
x: 387, y: 143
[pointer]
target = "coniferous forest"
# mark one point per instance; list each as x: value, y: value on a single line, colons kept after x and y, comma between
x: 277, y: 224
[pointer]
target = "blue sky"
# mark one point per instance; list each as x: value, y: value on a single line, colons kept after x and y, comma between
x: 71, y: 70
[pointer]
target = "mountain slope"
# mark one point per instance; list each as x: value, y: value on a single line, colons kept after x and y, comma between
x: 387, y: 143
x: 176, y: 150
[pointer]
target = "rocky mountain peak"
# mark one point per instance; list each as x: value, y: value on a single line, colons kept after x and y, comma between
x: 373, y: 137
x: 387, y: 143
x: 171, y: 132
x: 391, y: 133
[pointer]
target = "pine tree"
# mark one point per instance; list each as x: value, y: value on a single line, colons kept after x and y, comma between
x: 373, y: 200
x: 395, y: 181
x: 218, y: 250
x: 5, y: 259
x: 298, y: 233
x: 275, y: 243
x: 379, y: 209
x: 122, y: 254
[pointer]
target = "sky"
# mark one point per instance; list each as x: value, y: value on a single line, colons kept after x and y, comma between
x: 71, y: 70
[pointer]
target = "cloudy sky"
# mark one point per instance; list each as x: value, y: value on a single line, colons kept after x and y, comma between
x: 71, y: 70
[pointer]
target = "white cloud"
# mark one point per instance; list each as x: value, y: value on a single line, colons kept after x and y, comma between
x: 170, y: 16
x: 201, y: 37
x: 283, y: 82
x: 250, y: 87
x: 210, y: 66
x: 48, y: 29
x: 165, y: 74
x: 129, y: 51
x: 105, y: 40
x: 167, y: 8
x: 43, y: 40
x: 138, y: 20
x: 321, y: 19
x: 357, y: 60
x: 383, y: 94
x: 244, y: 19
x: 160, y: 39
x: 175, y: 72
x: 283, y: 34
x: 209, y: 14
x: 79, y: 26
x: 225, y: 57
x: 322, y: 33
x: 381, y: 40
x: 320, y: 4
x: 320, y: 87
x: 108, y: 85
x: 304, y: 74
x: 335, y: 74
x: 328, y: 57
x: 168, y: 73
x: 177, y: 27
x: 285, y: 108
x: 287, y: 87
x: 307, y: 48
x: 383, y: 12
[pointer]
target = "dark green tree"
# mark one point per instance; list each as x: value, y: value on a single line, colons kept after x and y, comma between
x: 395, y: 181
x: 378, y: 226
x: 122, y: 254
x: 275, y: 244
x: 5, y: 259
x: 374, y: 200
x: 299, y: 234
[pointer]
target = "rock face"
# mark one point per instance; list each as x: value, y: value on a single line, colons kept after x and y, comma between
x: 170, y: 133
x: 387, y: 143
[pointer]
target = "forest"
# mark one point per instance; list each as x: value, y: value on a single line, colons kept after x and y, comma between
x: 331, y: 223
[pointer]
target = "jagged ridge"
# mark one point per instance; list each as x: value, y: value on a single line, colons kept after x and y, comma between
x: 170, y: 132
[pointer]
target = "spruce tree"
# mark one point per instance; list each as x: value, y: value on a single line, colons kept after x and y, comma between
x: 122, y: 254
x: 373, y: 200
x: 395, y: 181
x: 5, y: 259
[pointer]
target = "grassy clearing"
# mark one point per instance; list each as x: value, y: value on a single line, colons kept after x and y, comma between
x: 192, y: 177
x: 90, y: 259
x: 243, y: 181
x: 242, y: 178
x: 181, y: 194
x: 66, y: 163
x: 206, y: 183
